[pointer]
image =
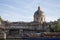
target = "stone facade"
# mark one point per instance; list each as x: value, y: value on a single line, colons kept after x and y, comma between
x: 20, y: 28
x: 39, y: 16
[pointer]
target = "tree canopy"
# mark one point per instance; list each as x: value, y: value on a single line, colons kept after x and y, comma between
x: 58, y: 26
x: 51, y: 27
x: 0, y: 19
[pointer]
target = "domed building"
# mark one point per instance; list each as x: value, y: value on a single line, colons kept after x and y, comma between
x: 19, y: 28
x: 39, y: 16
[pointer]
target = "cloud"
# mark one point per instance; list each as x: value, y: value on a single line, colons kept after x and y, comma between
x: 23, y: 10
x: 51, y: 18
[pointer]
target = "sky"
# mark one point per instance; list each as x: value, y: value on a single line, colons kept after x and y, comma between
x: 23, y: 10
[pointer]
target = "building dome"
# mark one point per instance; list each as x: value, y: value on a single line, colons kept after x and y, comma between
x: 38, y: 12
x: 39, y: 16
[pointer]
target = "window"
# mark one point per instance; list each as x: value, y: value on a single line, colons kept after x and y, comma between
x: 37, y: 18
x: 13, y: 31
x: 41, y: 19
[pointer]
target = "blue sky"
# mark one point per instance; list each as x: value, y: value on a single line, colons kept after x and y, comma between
x: 23, y: 10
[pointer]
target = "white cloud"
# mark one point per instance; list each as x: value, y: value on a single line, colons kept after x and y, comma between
x: 51, y: 18
x: 24, y: 9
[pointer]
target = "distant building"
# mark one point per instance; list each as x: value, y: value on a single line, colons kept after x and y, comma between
x: 39, y: 16
x: 59, y: 20
x: 20, y: 28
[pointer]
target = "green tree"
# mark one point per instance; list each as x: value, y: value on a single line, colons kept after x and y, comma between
x: 0, y: 19
x: 51, y: 27
x: 58, y: 26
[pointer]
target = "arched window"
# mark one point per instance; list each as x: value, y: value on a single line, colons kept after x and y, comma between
x: 41, y: 19
x: 37, y: 18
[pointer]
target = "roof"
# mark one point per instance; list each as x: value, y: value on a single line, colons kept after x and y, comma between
x: 25, y: 23
x: 38, y: 11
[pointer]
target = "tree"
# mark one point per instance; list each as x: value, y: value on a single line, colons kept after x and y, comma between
x: 0, y: 19
x: 58, y: 26
x: 51, y: 27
